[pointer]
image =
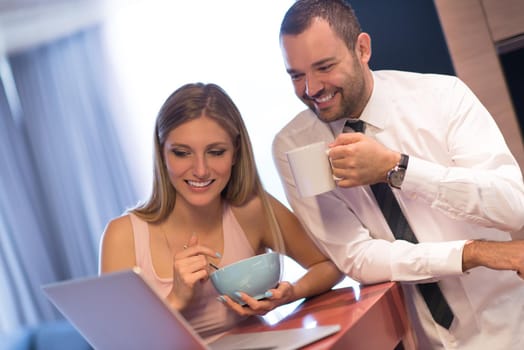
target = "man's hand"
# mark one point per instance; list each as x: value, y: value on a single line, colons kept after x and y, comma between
x: 360, y: 160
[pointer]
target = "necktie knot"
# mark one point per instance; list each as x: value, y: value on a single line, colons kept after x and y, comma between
x: 356, y: 125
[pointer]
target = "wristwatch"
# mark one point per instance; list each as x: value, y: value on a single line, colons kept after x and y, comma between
x: 396, y: 175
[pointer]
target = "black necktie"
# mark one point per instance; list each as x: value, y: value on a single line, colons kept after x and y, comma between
x: 398, y: 224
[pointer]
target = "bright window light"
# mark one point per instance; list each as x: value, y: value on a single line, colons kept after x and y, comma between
x: 157, y: 46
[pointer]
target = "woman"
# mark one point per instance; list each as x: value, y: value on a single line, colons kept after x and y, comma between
x: 208, y: 206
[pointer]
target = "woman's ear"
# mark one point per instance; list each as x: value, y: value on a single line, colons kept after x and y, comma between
x: 363, y: 47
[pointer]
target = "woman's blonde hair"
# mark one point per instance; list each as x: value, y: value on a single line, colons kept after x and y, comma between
x: 190, y: 102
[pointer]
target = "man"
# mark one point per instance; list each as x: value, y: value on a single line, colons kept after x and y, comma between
x: 432, y: 142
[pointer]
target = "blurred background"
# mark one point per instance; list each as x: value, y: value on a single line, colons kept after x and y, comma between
x: 82, y: 81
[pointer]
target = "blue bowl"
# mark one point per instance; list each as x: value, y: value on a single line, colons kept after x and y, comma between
x: 253, y: 276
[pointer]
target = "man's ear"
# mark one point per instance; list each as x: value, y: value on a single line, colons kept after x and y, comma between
x: 363, y: 47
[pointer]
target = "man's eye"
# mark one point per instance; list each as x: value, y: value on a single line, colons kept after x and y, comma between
x: 325, y: 68
x: 180, y: 153
x: 295, y: 76
x: 217, y: 152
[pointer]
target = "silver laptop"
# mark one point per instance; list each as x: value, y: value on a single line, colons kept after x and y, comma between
x: 121, y: 311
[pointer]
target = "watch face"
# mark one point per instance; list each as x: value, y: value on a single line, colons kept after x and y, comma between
x: 396, y: 177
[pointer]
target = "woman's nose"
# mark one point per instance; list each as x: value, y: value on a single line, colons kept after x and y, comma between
x: 200, y: 168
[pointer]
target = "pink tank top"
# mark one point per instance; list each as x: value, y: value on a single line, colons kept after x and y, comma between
x: 206, y: 314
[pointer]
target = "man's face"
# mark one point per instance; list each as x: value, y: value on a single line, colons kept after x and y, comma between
x: 327, y: 76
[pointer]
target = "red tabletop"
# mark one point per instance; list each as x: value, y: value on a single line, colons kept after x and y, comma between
x: 370, y: 317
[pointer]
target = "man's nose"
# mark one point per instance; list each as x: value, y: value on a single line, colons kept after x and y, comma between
x: 313, y: 86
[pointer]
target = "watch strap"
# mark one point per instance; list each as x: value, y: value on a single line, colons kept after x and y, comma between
x: 403, y: 162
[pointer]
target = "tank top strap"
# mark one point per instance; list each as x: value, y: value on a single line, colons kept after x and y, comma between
x: 142, y: 246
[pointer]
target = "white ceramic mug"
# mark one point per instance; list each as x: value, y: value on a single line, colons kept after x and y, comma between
x: 311, y: 169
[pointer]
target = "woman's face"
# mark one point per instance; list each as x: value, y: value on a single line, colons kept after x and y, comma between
x: 199, y: 156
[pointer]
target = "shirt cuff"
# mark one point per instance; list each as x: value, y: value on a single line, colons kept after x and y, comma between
x: 423, y: 178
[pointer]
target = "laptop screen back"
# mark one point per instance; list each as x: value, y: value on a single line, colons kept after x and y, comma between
x: 120, y: 311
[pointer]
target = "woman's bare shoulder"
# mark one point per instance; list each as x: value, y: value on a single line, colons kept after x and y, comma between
x: 117, y: 248
x: 119, y: 230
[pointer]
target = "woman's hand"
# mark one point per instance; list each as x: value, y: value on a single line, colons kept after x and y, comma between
x: 283, y: 294
x: 190, y: 267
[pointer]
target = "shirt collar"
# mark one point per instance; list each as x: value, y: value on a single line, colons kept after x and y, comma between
x: 337, y: 126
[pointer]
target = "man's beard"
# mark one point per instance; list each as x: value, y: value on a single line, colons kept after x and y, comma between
x: 348, y: 108
x: 352, y: 94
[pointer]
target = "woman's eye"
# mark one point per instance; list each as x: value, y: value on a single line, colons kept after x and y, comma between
x: 180, y: 153
x: 217, y: 152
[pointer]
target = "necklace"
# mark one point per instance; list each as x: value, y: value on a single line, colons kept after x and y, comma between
x: 168, y: 244
x: 185, y: 246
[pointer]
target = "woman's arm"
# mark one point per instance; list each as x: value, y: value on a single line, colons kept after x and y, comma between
x: 117, y: 246
x: 322, y: 274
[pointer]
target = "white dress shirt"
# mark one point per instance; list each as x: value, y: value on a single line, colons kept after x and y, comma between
x: 462, y: 183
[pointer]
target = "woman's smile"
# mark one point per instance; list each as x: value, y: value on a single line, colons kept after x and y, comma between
x: 199, y: 184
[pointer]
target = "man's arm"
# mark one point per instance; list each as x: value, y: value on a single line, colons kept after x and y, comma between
x: 464, y: 169
x: 494, y: 255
